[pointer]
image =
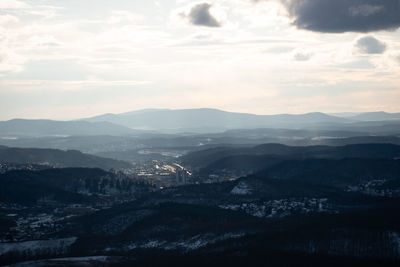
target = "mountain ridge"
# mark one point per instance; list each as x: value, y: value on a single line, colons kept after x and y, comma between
x: 42, y: 127
x: 197, y: 121
x: 59, y: 158
x: 205, y: 119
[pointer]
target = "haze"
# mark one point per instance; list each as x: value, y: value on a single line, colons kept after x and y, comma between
x: 200, y: 133
x: 70, y: 59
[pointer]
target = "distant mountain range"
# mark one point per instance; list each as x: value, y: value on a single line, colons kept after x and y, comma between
x: 210, y: 120
x: 21, y: 127
x: 214, y: 120
x: 368, y: 116
x: 376, y: 116
x: 199, y: 121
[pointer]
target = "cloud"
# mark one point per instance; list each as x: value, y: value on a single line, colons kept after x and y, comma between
x: 302, y: 56
x: 8, y: 19
x: 19, y: 8
x: 360, y: 64
x: 365, y: 10
x: 370, y: 45
x: 12, y: 4
x: 118, y: 16
x: 200, y: 15
x: 338, y: 16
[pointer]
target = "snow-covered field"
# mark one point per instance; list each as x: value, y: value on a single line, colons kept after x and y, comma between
x: 56, y: 246
x: 188, y: 244
x: 75, y: 261
x: 241, y: 189
x: 396, y: 241
x: 282, y: 207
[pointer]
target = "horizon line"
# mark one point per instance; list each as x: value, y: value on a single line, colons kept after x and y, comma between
x: 334, y: 114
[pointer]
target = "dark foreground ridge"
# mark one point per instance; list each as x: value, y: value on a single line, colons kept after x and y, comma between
x: 215, y: 204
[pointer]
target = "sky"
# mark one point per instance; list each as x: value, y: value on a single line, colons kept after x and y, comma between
x: 68, y: 59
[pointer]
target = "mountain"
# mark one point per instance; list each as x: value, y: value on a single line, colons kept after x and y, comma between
x: 345, y: 114
x: 375, y: 116
x: 336, y: 173
x: 286, y: 133
x: 258, y: 156
x: 59, y: 158
x: 195, y: 121
x: 382, y: 127
x: 69, y: 185
x: 111, y: 116
x: 254, y: 213
x: 313, y: 212
x: 34, y: 128
x: 210, y: 120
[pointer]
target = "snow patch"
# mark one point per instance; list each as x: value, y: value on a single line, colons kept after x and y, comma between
x: 36, y: 247
x: 396, y: 241
x: 89, y: 258
x: 153, y: 244
x: 192, y: 243
x: 241, y: 189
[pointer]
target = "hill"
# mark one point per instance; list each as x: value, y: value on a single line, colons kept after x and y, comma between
x: 337, y: 173
x: 197, y: 121
x: 234, y: 157
x: 21, y: 127
x: 310, y: 211
x: 59, y: 158
x: 375, y: 116
x: 70, y: 185
x: 210, y: 120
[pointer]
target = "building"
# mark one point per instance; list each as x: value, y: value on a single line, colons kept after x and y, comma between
x: 181, y: 176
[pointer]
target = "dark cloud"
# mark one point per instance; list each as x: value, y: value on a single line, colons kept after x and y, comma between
x: 338, y: 16
x: 370, y: 45
x: 200, y: 15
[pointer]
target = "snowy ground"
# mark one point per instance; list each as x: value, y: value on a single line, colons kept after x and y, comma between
x: 73, y: 261
x: 282, y: 207
x: 57, y: 246
x: 188, y: 244
x: 242, y: 189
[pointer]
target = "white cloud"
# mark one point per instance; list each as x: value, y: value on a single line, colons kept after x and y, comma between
x: 241, y: 66
x: 60, y: 85
x: 12, y: 4
x: 120, y: 16
x: 7, y: 19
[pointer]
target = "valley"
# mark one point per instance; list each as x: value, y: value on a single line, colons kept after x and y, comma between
x: 129, y: 199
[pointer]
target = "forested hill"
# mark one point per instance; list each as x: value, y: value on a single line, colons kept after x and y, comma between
x: 58, y: 158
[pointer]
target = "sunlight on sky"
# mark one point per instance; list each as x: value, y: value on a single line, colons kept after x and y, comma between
x: 72, y: 58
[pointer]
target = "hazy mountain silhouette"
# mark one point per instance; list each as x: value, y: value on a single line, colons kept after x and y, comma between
x: 22, y: 127
x: 376, y: 116
x: 201, y: 121
x: 210, y: 120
